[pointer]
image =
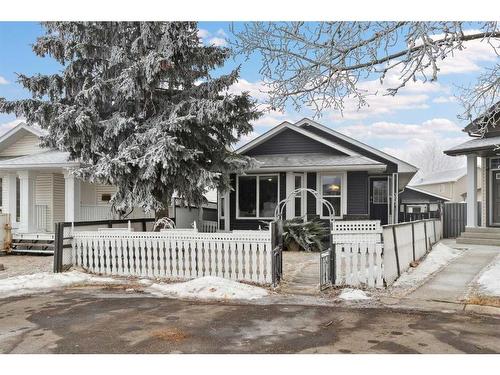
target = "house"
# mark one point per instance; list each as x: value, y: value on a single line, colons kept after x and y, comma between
x: 360, y: 181
x: 483, y: 145
x: 416, y: 204
x: 38, y: 190
x: 451, y: 184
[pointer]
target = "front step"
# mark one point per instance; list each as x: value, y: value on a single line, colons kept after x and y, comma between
x: 483, y: 235
x: 32, y: 246
x: 482, y: 230
x: 479, y: 241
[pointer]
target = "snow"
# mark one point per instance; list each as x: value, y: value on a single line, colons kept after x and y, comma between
x: 438, y: 257
x: 209, y: 288
x: 46, y: 281
x: 489, y: 281
x: 353, y: 295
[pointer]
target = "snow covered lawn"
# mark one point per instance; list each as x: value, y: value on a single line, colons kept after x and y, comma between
x: 353, y: 295
x: 46, y: 281
x: 209, y: 288
x: 489, y: 281
x: 438, y: 257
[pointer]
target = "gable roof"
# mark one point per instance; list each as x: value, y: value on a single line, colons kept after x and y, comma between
x: 18, y: 131
x: 493, y: 113
x: 286, y: 125
x: 46, y: 159
x: 422, y: 191
x: 441, y: 177
x: 403, y: 167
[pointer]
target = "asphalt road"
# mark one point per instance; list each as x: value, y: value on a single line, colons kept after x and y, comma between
x: 92, y: 321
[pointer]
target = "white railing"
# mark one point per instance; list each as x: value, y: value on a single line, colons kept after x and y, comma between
x: 95, y: 212
x: 353, y: 231
x: 209, y: 226
x: 41, y: 217
x: 180, y: 255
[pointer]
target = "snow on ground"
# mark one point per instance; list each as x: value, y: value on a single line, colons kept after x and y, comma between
x: 489, y: 281
x: 438, y: 257
x: 353, y: 295
x: 210, y: 288
x: 46, y: 281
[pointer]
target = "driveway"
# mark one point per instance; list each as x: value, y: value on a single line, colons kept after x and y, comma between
x: 16, y: 265
x: 115, y: 321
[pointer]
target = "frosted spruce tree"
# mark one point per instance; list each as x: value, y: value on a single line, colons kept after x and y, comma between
x: 137, y: 105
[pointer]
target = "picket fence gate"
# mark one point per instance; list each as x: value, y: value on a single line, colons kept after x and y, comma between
x: 176, y: 254
x: 359, y: 263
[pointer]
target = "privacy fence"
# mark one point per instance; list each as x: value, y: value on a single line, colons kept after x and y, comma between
x: 367, y: 254
x: 175, y: 254
x: 455, y: 218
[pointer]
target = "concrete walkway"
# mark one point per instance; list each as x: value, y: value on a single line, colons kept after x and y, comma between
x: 300, y: 273
x: 452, y: 283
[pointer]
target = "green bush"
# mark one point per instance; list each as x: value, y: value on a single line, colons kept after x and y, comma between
x: 308, y: 236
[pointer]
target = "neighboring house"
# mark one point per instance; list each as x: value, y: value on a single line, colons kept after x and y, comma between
x: 38, y: 190
x: 415, y: 203
x: 357, y: 179
x: 484, y: 146
x: 451, y: 184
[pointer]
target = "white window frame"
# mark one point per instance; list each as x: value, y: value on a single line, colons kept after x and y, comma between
x: 343, y: 192
x: 257, y: 196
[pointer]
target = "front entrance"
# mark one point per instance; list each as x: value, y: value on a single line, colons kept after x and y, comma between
x: 379, y: 198
x: 495, y: 196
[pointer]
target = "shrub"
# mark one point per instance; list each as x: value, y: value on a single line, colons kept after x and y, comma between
x: 308, y: 236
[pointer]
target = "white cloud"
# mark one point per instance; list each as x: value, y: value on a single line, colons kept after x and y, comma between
x: 3, y: 81
x: 218, y: 42
x: 444, y: 99
x: 202, y: 33
x: 222, y: 33
x: 256, y: 89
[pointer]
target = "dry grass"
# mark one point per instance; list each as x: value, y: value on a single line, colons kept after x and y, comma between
x: 484, y: 301
x: 170, y: 334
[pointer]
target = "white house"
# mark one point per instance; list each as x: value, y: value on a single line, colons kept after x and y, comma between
x: 38, y: 190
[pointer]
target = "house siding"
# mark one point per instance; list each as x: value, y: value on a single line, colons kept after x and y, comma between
x: 26, y: 145
x: 43, y: 195
x: 391, y: 167
x: 357, y: 194
x: 311, y: 199
x: 58, y: 197
x: 291, y: 142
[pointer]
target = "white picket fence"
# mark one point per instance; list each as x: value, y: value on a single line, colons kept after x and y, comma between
x: 359, y: 263
x: 176, y: 254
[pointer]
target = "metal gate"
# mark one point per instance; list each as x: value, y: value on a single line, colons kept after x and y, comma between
x: 277, y: 254
x: 327, y: 263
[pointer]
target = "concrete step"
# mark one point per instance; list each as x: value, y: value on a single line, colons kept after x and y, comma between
x: 479, y: 241
x: 482, y: 230
x: 485, y: 235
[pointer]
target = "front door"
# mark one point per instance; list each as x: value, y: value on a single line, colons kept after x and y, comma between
x: 496, y: 196
x: 379, y: 196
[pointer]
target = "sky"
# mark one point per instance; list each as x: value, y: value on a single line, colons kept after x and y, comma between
x: 399, y: 125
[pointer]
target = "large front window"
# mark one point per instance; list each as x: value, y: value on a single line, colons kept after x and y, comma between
x: 331, y: 191
x: 257, y: 196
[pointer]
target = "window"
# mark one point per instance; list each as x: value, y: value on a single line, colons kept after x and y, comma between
x: 106, y: 197
x: 331, y: 190
x: 495, y: 163
x: 257, y: 196
x: 380, y: 192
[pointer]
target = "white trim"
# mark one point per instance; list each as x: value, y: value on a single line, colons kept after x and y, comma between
x: 286, y: 125
x: 343, y: 193
x: 426, y: 192
x: 409, y: 168
x: 22, y: 125
x: 257, y: 196
x: 341, y: 168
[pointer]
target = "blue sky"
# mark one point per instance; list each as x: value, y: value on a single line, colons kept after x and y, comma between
x: 420, y: 113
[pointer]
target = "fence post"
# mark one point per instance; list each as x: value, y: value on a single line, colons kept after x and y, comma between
x: 413, y: 240
x: 58, y: 247
x: 434, y: 227
x: 396, y: 249
x: 425, y: 236
x: 332, y: 255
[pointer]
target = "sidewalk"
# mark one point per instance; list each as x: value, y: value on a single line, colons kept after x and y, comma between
x: 449, y: 287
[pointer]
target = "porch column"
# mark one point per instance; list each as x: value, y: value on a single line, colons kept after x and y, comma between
x: 71, y: 197
x: 289, y: 188
x: 484, y: 191
x: 27, y: 181
x: 471, y: 191
x: 10, y: 200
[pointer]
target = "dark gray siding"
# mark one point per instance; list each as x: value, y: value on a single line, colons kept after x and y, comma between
x: 391, y: 167
x: 311, y: 199
x: 291, y: 142
x: 357, y: 193
x: 412, y: 196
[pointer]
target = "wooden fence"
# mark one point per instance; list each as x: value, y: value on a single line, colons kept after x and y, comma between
x: 407, y: 242
x: 176, y: 254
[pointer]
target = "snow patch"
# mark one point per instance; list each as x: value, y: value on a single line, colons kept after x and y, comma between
x: 210, y: 288
x: 438, y: 257
x: 353, y: 295
x: 46, y: 281
x: 489, y: 281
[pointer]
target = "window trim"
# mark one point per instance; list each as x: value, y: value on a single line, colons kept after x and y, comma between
x: 257, y: 196
x: 343, y: 192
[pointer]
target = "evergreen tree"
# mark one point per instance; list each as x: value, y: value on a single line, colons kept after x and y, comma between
x: 137, y: 105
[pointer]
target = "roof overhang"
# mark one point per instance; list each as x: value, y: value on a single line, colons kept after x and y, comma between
x: 479, y: 146
x: 428, y: 193
x: 322, y: 168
